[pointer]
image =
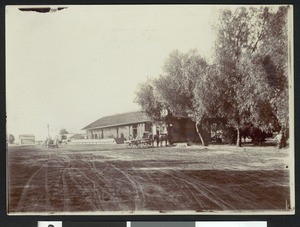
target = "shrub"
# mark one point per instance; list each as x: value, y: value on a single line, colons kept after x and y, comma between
x: 229, y: 135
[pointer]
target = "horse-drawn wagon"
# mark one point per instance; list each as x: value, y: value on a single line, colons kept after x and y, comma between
x: 144, y: 142
x: 51, y: 143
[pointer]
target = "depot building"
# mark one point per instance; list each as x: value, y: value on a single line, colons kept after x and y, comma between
x: 134, y: 124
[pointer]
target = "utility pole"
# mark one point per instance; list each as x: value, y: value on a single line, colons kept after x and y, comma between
x: 48, y: 130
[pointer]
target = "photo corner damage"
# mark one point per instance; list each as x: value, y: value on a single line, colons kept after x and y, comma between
x: 42, y: 9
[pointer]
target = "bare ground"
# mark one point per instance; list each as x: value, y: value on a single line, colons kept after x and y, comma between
x: 86, y: 178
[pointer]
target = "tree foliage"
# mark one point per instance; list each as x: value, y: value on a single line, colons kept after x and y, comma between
x: 11, y: 138
x: 182, y: 73
x: 63, y: 131
x: 274, y: 56
x: 149, y: 100
x: 247, y: 41
x: 176, y: 85
x: 247, y: 83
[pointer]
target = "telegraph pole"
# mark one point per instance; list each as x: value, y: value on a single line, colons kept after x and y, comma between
x: 48, y: 130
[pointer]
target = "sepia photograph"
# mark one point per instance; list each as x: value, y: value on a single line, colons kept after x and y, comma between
x: 149, y: 110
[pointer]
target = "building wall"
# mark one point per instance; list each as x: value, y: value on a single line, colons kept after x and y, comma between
x: 140, y: 130
x: 181, y: 130
x: 148, y: 126
x: 176, y: 136
x: 110, y: 132
x: 26, y: 141
x: 117, y: 132
x: 94, y: 134
x: 125, y: 131
x: 191, y: 131
x: 89, y: 133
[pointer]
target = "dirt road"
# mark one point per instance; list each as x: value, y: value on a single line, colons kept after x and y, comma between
x: 113, y: 178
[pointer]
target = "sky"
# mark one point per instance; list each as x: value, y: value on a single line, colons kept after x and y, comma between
x: 71, y: 67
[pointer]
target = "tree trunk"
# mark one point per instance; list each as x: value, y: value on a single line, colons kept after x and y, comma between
x: 239, y: 138
x: 199, y: 123
x: 283, y: 139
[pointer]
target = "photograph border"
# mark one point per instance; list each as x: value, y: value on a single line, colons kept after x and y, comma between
x: 273, y: 220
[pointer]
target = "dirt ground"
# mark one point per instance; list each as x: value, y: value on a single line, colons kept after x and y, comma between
x: 94, y: 178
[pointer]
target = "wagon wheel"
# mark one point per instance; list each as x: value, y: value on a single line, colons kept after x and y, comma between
x: 144, y: 144
x: 134, y: 144
x: 129, y: 145
x: 138, y: 144
x: 151, y: 143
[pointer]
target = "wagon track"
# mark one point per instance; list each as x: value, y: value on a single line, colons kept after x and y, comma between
x: 203, y: 191
x: 127, y: 180
x: 66, y: 203
x: 180, y: 179
x: 99, y: 192
x: 27, y: 186
x: 139, y: 195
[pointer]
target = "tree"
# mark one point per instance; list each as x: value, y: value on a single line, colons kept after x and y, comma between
x: 247, y: 85
x: 207, y: 98
x: 177, y: 85
x: 232, y: 40
x: 239, y: 49
x: 11, y: 138
x: 63, y: 131
x: 148, y: 99
x: 274, y: 59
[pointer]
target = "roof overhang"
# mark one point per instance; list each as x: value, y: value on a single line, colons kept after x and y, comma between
x: 115, y: 125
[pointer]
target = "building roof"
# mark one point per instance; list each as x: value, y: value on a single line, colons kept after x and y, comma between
x: 26, y: 136
x: 119, y: 119
x: 77, y: 136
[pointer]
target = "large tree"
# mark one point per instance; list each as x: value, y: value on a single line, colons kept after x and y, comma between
x: 247, y: 84
x: 148, y: 98
x: 274, y: 59
x: 176, y: 86
x: 232, y: 42
x: 246, y: 96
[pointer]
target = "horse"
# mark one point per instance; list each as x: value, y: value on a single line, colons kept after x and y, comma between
x: 160, y: 138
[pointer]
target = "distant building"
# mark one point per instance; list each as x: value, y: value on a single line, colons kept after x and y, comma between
x: 27, y: 139
x: 77, y: 136
x: 70, y: 136
x: 136, y: 123
x: 119, y: 126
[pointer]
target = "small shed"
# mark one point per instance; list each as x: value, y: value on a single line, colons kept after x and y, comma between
x: 27, y: 139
